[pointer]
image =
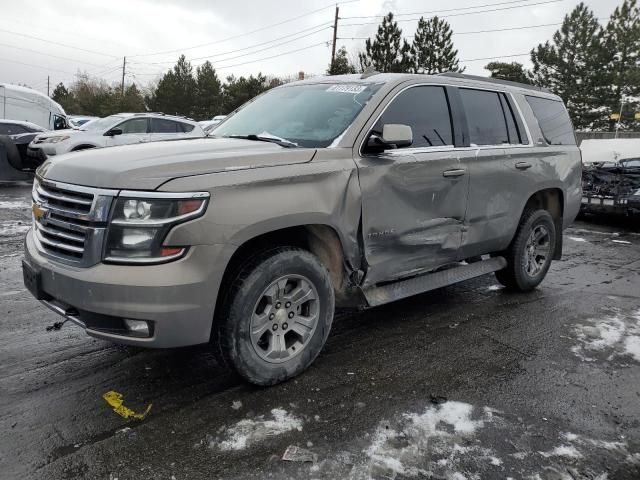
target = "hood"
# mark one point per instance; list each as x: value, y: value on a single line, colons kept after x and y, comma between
x: 147, y: 166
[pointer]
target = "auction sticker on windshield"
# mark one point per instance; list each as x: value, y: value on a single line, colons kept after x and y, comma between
x: 347, y: 88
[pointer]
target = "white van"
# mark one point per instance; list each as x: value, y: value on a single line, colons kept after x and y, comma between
x: 28, y: 105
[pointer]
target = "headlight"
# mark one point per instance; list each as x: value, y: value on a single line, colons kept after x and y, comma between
x: 139, y: 224
x: 57, y: 139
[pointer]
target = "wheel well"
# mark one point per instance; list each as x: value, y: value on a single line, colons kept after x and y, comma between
x: 551, y: 200
x: 82, y: 147
x: 321, y: 240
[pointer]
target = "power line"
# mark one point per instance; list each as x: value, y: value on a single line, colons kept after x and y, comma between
x: 182, y: 50
x: 475, y: 31
x: 323, y: 25
x: 220, y: 67
x: 496, y: 57
x: 35, y: 66
x: 48, y: 54
x: 459, y: 14
x: 438, y: 11
x: 57, y: 43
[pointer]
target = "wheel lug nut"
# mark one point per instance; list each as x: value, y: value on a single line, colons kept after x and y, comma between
x: 272, y: 316
x: 278, y: 305
x: 288, y: 304
x: 285, y: 326
x: 275, y: 327
x: 290, y: 314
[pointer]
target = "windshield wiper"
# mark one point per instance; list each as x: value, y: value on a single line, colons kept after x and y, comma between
x: 264, y: 138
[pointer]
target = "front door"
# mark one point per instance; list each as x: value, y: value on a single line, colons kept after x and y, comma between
x: 413, y: 199
x: 134, y: 130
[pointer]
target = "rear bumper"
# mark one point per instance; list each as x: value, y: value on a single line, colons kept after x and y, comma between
x: 604, y: 204
x: 177, y: 298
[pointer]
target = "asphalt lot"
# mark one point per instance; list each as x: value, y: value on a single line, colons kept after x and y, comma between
x: 467, y: 382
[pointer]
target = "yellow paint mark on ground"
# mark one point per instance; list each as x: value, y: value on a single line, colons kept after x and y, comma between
x: 116, y: 401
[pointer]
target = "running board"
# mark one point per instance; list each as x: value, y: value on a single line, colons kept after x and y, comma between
x: 413, y: 286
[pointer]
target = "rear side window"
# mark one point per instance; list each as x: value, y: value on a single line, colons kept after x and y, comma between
x: 485, y: 117
x: 554, y: 121
x: 187, y: 127
x: 161, y: 125
x: 11, y: 129
x: 426, y: 110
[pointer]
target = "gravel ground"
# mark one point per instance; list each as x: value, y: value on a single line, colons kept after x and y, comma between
x: 465, y: 382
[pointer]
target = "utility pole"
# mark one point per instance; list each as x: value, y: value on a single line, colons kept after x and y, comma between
x: 335, y: 35
x: 620, y: 115
x: 124, y: 65
x: 47, y: 85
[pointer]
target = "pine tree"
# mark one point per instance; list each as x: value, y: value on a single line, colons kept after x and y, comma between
x: 63, y: 97
x: 341, y: 64
x: 209, y: 92
x: 433, y: 47
x: 513, y: 71
x: 622, y: 68
x: 176, y: 91
x: 388, y: 52
x: 570, y: 66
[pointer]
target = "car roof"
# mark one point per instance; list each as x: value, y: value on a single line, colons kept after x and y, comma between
x: 157, y: 115
x: 23, y: 123
x: 450, y: 78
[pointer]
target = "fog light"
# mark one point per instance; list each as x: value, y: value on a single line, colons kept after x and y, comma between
x: 138, y: 327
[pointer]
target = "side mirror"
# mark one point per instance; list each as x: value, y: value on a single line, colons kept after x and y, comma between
x: 113, y: 132
x: 397, y: 135
x: 394, y: 135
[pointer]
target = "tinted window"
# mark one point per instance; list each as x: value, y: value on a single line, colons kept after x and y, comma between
x: 553, y: 120
x: 161, y: 125
x: 12, y: 129
x: 187, y: 127
x: 485, y: 117
x: 136, y: 125
x: 426, y: 111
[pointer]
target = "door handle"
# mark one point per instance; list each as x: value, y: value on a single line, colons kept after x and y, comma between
x: 454, y: 173
x: 523, y: 165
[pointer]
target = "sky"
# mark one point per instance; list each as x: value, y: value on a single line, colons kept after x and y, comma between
x: 40, y: 38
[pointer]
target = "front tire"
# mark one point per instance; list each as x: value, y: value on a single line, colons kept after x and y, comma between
x: 530, y: 253
x: 276, y: 316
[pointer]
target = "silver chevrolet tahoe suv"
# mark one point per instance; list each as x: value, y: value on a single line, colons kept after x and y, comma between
x: 352, y: 190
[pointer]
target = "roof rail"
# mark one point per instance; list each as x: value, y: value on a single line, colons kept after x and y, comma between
x: 497, y: 81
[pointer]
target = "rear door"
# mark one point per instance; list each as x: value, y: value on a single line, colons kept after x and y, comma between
x: 496, y: 138
x: 413, y: 199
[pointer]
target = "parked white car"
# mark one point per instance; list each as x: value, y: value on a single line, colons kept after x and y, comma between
x: 209, y: 125
x: 76, y: 121
x: 114, y: 130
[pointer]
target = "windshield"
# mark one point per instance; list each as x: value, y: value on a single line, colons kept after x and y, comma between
x: 307, y: 115
x: 101, y: 123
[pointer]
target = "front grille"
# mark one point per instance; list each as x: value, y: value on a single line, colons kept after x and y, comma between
x: 69, y: 221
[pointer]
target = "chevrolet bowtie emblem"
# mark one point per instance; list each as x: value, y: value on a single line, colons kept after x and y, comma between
x: 38, y: 211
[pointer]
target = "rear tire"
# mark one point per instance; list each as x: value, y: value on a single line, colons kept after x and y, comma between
x: 275, y: 317
x: 530, y: 253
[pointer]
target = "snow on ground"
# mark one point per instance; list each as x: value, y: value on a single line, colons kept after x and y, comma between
x: 577, y: 239
x: 250, y: 431
x: 14, y: 205
x: 12, y: 228
x: 614, y: 335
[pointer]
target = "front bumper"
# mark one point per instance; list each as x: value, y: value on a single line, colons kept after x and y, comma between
x: 177, y: 299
